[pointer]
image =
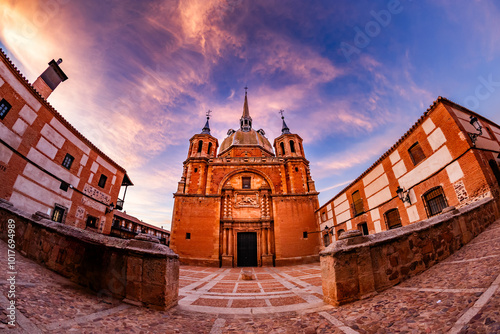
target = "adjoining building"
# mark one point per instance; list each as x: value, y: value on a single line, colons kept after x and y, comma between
x: 127, y: 227
x: 245, y: 205
x: 449, y: 158
x: 46, y: 165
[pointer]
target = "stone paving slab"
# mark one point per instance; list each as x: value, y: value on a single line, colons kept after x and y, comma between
x: 459, y: 295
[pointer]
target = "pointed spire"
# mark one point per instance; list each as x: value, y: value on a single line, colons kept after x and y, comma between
x: 284, y: 127
x: 206, y: 128
x: 246, y: 120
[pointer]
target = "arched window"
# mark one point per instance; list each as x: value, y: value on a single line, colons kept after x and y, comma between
x: 209, y: 148
x: 292, y: 146
x: 339, y: 233
x: 282, y: 148
x: 435, y: 201
x: 392, y: 219
x: 200, y: 146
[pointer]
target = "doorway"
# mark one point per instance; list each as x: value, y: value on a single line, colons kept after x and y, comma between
x: 247, y: 249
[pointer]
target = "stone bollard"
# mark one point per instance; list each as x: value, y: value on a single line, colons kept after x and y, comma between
x: 246, y: 275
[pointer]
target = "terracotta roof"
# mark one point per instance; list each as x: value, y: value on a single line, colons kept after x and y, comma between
x: 137, y: 221
x: 40, y: 98
x: 417, y: 123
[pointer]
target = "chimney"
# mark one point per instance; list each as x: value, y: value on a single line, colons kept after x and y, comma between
x: 50, y: 79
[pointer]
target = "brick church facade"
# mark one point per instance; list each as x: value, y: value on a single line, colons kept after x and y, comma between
x: 245, y: 203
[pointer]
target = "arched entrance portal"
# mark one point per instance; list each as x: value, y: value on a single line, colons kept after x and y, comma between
x: 247, y: 233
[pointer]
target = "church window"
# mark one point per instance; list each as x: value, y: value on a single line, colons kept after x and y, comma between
x: 4, y: 108
x: 357, y: 203
x: 292, y: 146
x: 416, y: 153
x: 392, y: 219
x: 200, y: 146
x: 435, y: 201
x: 245, y: 182
x: 209, y: 148
x: 296, y: 169
x: 68, y: 160
x: 188, y: 236
x: 304, y: 235
x: 301, y: 149
x: 195, y: 170
x: 102, y: 181
x: 282, y: 148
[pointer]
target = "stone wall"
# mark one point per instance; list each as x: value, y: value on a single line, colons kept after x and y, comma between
x: 142, y: 272
x: 357, y: 266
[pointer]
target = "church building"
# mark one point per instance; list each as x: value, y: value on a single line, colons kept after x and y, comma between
x: 245, y: 203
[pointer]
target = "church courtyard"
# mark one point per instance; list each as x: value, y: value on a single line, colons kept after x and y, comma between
x: 459, y: 295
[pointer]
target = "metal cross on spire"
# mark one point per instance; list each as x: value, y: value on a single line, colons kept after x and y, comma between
x: 246, y: 88
x: 281, y: 112
x: 284, y: 127
x: 208, y: 113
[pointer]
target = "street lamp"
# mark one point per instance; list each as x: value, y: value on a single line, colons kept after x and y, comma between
x: 403, y: 195
x: 475, y: 123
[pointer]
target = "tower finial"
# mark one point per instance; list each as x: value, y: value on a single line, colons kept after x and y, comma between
x: 246, y: 120
x: 284, y: 127
x: 206, y: 128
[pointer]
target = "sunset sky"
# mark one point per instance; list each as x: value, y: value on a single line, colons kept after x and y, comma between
x: 352, y: 76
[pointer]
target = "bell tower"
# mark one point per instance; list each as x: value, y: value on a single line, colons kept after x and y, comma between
x: 202, y: 147
x: 289, y: 146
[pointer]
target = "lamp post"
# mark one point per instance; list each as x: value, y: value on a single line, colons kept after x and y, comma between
x: 403, y: 195
x: 475, y: 123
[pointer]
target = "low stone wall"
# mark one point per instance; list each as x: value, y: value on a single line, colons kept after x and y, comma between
x: 359, y: 266
x: 144, y: 273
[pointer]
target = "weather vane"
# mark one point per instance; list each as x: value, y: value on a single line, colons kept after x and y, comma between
x: 281, y: 112
x: 208, y: 113
x: 246, y: 88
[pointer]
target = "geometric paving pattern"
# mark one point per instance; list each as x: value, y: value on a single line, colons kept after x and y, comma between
x: 458, y: 295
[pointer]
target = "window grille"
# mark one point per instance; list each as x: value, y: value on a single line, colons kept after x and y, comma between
x: 435, y: 201
x: 416, y: 153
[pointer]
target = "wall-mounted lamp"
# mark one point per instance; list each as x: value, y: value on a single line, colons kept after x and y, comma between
x: 404, y: 195
x: 110, y: 208
x: 475, y: 123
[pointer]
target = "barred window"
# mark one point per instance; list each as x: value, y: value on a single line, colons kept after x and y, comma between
x: 91, y: 221
x: 416, y: 153
x: 435, y: 201
x: 68, y: 161
x: 392, y: 218
x: 58, y: 214
x: 4, y: 108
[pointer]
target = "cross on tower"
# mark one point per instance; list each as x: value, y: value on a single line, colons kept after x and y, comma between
x: 246, y: 88
x: 208, y: 113
x: 281, y: 112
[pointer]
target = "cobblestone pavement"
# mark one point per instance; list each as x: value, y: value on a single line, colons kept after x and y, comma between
x: 459, y: 295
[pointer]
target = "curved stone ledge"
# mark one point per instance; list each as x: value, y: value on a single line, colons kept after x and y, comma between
x: 359, y: 266
x: 141, y: 271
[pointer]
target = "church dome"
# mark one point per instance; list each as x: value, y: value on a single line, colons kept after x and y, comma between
x: 245, y: 138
